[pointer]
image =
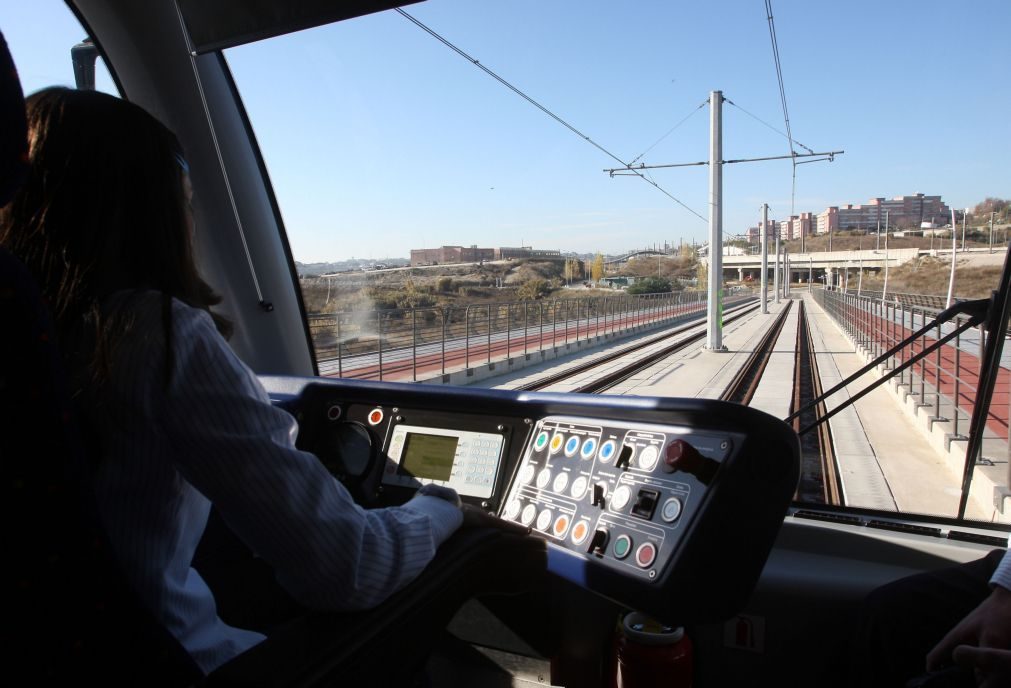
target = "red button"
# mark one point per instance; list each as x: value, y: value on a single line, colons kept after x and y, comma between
x: 376, y: 417
x: 645, y: 555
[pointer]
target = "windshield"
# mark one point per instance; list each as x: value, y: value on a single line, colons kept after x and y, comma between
x: 469, y: 187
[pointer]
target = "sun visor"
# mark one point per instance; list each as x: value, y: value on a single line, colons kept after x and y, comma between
x: 220, y: 24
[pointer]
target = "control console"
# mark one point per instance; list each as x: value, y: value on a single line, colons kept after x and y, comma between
x: 619, y: 494
x: 668, y: 506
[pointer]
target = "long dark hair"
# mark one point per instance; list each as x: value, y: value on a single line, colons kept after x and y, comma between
x: 103, y: 210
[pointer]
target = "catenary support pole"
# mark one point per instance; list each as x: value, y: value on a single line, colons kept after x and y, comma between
x: 765, y: 257
x: 714, y: 312
x: 775, y: 272
x: 951, y: 277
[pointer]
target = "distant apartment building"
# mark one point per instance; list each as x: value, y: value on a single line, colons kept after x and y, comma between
x: 796, y: 227
x: 450, y: 254
x: 754, y: 234
x: 445, y: 255
x: 899, y: 212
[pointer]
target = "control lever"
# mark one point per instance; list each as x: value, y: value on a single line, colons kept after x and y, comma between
x: 598, y: 494
x: 624, y: 457
x: 681, y: 456
x: 598, y: 542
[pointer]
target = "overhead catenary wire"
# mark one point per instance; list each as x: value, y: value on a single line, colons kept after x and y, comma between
x: 540, y: 107
x: 670, y: 131
x: 782, y: 98
x: 763, y: 122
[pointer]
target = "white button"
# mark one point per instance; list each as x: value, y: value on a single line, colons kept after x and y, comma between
x: 527, y: 517
x: 579, y: 487
x: 544, y: 520
x: 648, y: 457
x: 543, y: 478
x: 561, y: 480
x: 619, y: 500
x: 512, y: 509
x: 526, y: 474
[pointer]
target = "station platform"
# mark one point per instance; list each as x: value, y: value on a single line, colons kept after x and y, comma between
x: 885, y: 460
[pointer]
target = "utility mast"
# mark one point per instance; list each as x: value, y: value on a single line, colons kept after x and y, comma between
x: 714, y: 313
x: 765, y: 257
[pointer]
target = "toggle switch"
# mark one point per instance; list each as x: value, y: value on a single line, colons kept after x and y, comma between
x: 681, y: 456
x: 598, y: 543
x: 599, y: 492
x: 624, y: 457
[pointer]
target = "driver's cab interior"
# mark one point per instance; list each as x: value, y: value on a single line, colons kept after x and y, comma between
x: 709, y: 541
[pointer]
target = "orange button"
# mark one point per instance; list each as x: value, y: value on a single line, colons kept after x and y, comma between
x: 376, y: 417
x: 579, y: 532
x: 561, y: 524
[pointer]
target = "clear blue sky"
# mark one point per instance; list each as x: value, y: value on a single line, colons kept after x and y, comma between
x: 379, y: 139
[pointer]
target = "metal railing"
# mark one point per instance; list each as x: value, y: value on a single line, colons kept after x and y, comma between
x: 945, y: 381
x: 925, y: 300
x: 404, y: 344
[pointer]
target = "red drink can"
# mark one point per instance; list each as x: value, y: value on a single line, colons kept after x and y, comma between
x: 649, y: 654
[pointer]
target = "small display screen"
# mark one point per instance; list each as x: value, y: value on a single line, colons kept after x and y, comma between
x: 428, y: 456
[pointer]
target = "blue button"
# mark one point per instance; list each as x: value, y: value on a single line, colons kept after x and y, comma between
x: 607, y: 450
x: 589, y: 446
x: 571, y: 446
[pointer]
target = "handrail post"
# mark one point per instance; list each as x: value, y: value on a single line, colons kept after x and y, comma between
x: 446, y: 315
x: 958, y: 379
x: 340, y: 362
x: 554, y: 324
x: 526, y: 320
x: 379, y: 318
x: 923, y: 361
x: 540, y: 324
x: 414, y: 344
x: 466, y: 339
x: 509, y: 329
x: 489, y: 333
x: 937, y: 379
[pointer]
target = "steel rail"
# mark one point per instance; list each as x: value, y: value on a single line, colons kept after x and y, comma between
x: 616, y: 377
x: 744, y: 384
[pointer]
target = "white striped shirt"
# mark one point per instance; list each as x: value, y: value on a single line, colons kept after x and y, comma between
x: 1002, y: 576
x: 212, y: 435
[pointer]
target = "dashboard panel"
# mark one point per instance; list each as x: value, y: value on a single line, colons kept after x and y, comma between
x: 667, y: 506
x: 609, y: 490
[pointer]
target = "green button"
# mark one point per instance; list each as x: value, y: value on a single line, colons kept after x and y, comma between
x: 622, y: 546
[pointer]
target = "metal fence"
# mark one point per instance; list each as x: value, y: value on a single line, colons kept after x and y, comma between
x: 925, y: 300
x: 944, y: 382
x: 405, y: 343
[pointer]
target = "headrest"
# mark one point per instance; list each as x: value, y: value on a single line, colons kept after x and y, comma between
x: 13, y: 127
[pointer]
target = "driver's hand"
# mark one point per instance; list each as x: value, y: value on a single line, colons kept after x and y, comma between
x: 476, y: 517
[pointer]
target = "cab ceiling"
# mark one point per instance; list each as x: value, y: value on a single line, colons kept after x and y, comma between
x: 219, y: 24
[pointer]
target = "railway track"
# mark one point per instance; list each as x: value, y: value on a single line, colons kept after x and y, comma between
x: 820, y: 481
x: 612, y: 378
x: 742, y: 388
x: 819, y: 475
